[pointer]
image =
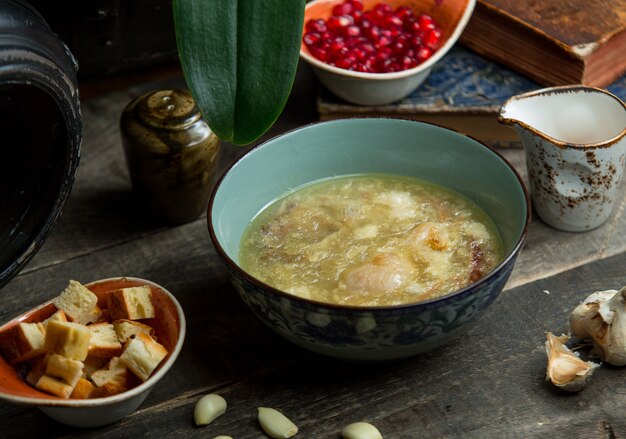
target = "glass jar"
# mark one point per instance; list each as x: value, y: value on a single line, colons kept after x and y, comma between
x: 171, y: 154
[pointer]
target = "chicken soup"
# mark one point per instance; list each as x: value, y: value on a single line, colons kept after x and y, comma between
x: 370, y: 240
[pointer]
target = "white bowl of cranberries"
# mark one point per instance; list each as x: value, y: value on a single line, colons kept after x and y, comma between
x: 374, y: 52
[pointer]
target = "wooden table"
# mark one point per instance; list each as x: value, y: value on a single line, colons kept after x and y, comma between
x: 490, y: 383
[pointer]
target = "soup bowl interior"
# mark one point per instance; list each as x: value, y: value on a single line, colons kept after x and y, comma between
x: 362, y: 146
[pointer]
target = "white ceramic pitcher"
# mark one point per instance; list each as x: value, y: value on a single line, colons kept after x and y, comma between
x: 575, y: 142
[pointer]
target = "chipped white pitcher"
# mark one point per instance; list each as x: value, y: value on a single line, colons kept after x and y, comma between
x: 575, y: 142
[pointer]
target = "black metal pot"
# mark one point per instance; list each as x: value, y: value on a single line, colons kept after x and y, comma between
x: 40, y: 132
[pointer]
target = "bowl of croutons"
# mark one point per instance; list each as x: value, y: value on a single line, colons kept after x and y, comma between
x: 91, y: 355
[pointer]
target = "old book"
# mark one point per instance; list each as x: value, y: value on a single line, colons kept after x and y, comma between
x: 553, y: 42
x: 464, y: 92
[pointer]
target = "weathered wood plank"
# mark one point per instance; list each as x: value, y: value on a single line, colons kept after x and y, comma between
x: 488, y: 384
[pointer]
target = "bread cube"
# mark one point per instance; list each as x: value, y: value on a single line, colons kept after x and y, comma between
x: 37, y: 369
x: 78, y: 303
x: 93, y: 364
x: 127, y: 328
x: 61, y: 376
x: 68, y: 339
x: 59, y: 315
x: 142, y: 354
x: 114, y: 379
x: 94, y: 316
x: 103, y: 341
x: 85, y: 389
x: 105, y: 317
x: 133, y: 303
x: 54, y: 386
x: 22, y: 342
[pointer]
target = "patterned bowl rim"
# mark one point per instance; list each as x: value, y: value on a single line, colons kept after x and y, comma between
x: 425, y: 304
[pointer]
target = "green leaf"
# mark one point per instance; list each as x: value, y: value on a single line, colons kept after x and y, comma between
x: 239, y: 58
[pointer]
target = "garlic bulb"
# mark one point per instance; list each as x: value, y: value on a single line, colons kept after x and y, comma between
x: 565, y: 369
x: 601, y: 318
x: 585, y: 319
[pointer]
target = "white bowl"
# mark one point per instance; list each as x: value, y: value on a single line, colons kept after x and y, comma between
x: 99, y: 411
x: 383, y: 88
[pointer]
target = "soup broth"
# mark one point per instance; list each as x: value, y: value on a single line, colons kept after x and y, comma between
x: 370, y: 240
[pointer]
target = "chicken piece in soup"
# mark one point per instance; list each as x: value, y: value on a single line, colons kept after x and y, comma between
x: 370, y: 240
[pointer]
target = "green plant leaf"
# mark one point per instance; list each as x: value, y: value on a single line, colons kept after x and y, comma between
x: 239, y: 58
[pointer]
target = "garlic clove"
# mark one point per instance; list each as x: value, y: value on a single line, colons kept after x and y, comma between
x: 275, y: 424
x: 585, y: 320
x: 565, y: 369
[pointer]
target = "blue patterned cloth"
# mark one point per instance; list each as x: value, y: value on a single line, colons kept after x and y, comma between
x: 462, y: 81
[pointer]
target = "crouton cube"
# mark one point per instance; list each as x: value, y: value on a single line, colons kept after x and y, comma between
x: 105, y: 317
x: 133, y: 303
x: 54, y: 386
x: 59, y: 315
x: 22, y: 342
x: 114, y: 379
x: 93, y: 364
x: 142, y: 354
x: 61, y: 376
x: 103, y: 341
x: 37, y: 369
x: 127, y: 328
x: 78, y: 303
x: 68, y: 339
x: 85, y: 389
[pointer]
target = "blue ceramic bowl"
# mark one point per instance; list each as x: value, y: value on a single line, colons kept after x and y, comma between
x: 355, y: 146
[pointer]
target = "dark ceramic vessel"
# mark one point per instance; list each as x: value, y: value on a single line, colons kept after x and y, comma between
x: 41, y: 129
x: 171, y: 154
